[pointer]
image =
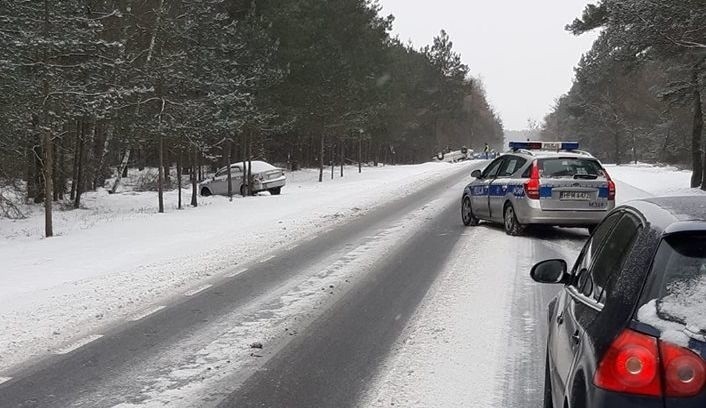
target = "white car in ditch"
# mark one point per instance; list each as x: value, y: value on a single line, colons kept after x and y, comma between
x: 265, y: 177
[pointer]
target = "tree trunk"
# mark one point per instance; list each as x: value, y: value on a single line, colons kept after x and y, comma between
x: 121, y: 170
x: 60, y: 187
x: 140, y: 158
x: 342, y: 156
x: 178, y: 174
x: 229, y: 151
x: 30, y: 168
x: 321, y: 160
x: 46, y: 140
x: 79, y: 165
x: 696, y: 136
x: 167, y: 168
x: 160, y: 175
x: 198, y: 165
x: 48, y: 181
x: 360, y: 155
x: 106, y: 136
x: 74, y: 174
x: 55, y: 172
x: 333, y: 160
x: 249, y: 173
x: 194, y: 186
x: 703, y: 173
x: 243, y: 158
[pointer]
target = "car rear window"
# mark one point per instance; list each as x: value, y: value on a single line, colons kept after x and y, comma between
x: 570, y: 168
x: 678, y: 281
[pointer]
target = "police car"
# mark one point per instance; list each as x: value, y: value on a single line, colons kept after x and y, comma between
x: 550, y: 183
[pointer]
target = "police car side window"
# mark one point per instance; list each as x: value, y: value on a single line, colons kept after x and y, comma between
x: 493, y: 169
x: 512, y: 164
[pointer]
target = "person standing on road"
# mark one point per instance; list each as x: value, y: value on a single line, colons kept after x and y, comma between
x: 486, y: 149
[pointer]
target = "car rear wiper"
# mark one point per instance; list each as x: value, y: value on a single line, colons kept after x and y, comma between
x: 585, y: 176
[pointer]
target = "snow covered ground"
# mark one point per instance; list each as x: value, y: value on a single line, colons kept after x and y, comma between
x: 117, y: 257
x: 654, y: 180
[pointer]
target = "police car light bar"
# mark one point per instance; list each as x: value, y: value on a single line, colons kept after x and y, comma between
x: 567, y: 146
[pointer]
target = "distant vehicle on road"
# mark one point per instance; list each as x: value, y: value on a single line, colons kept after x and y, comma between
x: 265, y: 177
x: 540, y: 183
x: 628, y: 329
x: 453, y: 156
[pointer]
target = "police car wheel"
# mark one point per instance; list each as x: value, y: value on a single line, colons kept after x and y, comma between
x: 467, y: 213
x: 512, y: 226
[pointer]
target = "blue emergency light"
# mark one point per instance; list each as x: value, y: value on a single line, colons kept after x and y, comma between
x: 529, y: 145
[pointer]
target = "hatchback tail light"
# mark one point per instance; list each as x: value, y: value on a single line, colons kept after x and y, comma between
x: 638, y: 364
x: 684, y: 371
x: 631, y: 365
x: 532, y: 185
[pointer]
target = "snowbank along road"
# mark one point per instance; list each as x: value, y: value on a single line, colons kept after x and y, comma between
x: 401, y: 307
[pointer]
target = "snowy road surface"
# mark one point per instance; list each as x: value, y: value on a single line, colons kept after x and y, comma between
x: 402, y: 307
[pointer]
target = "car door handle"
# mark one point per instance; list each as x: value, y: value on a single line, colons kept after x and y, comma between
x: 560, y: 319
x: 576, y: 337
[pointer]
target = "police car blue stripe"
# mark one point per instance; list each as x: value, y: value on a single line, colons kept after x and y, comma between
x: 498, y: 190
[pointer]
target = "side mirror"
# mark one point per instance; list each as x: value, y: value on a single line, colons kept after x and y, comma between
x: 476, y: 174
x: 552, y: 271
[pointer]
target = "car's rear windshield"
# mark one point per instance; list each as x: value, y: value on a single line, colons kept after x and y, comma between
x: 570, y: 168
x: 678, y: 281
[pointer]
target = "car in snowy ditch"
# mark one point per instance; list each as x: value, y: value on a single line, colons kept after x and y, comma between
x: 265, y: 177
x: 629, y: 327
x: 549, y: 183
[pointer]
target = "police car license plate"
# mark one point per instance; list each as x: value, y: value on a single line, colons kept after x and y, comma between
x: 575, y: 195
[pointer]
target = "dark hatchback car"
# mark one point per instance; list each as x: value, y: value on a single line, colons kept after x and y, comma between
x: 629, y: 327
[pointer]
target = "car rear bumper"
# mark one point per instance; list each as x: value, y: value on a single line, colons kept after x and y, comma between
x: 529, y: 212
x: 270, y: 184
x: 598, y: 397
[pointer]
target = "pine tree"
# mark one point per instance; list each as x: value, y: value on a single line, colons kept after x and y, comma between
x: 54, y: 51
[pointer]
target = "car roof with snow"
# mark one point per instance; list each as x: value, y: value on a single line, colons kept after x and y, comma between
x: 257, y: 166
x: 674, y: 214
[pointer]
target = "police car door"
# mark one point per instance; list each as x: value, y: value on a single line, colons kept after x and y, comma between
x: 503, y: 187
x: 480, y: 188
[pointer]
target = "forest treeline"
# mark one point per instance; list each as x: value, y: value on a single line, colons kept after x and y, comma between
x: 639, y: 93
x: 89, y: 88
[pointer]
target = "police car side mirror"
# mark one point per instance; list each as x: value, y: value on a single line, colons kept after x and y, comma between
x: 476, y: 174
x: 552, y: 271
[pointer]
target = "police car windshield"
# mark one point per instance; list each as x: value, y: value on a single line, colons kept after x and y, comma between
x: 679, y: 275
x: 570, y: 168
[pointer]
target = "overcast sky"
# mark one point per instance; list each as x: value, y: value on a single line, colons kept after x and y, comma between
x: 518, y: 47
